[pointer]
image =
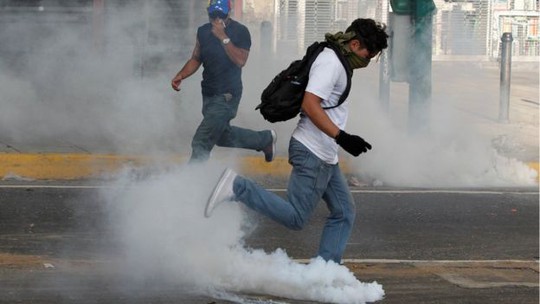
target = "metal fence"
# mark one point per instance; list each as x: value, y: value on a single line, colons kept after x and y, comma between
x: 462, y: 29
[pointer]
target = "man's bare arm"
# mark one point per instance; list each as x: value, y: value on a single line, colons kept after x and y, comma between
x: 191, y: 66
x: 238, y: 56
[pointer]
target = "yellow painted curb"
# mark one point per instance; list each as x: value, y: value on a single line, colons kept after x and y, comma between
x: 280, y: 166
x: 536, y: 167
x: 67, y: 166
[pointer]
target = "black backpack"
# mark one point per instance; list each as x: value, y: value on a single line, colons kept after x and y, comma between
x: 282, y: 98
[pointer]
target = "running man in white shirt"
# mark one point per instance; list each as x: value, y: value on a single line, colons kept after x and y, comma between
x: 313, y: 147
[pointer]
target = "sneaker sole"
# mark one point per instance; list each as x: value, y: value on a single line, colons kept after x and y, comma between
x: 212, y: 200
x: 274, y: 140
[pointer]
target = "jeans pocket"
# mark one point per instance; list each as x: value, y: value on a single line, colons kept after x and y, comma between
x: 298, y: 154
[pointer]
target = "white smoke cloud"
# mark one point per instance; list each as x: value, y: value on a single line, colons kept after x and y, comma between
x: 64, y: 89
x: 452, y: 153
x: 159, y: 220
x: 60, y: 86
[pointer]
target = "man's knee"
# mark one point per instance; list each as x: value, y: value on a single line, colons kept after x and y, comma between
x: 349, y: 216
x: 297, y: 223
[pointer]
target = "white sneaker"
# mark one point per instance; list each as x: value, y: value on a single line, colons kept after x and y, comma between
x: 222, y: 192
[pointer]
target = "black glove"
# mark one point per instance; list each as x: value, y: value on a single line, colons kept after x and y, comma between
x: 352, y: 143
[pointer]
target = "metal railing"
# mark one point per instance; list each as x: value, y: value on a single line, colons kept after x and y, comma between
x: 462, y: 30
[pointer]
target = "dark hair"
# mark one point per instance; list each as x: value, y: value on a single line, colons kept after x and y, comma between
x: 371, y: 34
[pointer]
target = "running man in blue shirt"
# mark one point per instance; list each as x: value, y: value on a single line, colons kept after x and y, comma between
x: 222, y: 48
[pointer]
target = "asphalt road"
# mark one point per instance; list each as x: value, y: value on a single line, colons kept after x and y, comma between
x: 423, y: 245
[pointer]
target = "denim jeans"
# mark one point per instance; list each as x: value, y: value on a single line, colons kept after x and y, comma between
x: 215, y: 129
x: 311, y: 179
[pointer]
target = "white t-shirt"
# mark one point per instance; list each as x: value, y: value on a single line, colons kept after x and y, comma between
x: 328, y: 80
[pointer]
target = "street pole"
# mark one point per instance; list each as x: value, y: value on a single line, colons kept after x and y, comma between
x: 238, y: 9
x: 384, y: 70
x: 97, y: 24
x: 420, y: 76
x: 267, y: 34
x: 506, y: 66
x: 384, y: 82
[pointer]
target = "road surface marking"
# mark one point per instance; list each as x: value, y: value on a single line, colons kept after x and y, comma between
x: 403, y: 191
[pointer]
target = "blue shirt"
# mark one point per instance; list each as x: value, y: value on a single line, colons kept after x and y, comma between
x: 220, y: 74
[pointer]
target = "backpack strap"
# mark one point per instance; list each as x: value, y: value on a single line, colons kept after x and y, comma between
x: 348, y: 70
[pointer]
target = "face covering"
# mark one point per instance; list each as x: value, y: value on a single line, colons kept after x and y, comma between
x: 356, y: 61
x: 341, y: 40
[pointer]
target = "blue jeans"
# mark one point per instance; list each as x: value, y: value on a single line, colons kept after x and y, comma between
x: 311, y: 179
x: 215, y: 129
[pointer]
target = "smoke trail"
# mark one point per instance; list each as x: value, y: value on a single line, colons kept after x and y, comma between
x: 454, y: 153
x: 164, y: 235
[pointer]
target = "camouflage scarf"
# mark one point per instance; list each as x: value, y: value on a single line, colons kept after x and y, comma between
x: 340, y: 40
